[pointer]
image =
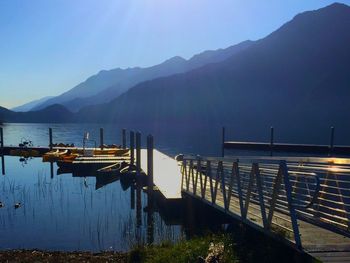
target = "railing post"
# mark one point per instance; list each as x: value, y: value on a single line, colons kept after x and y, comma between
x: 331, y: 144
x: 124, y: 138
x: 293, y: 214
x: 132, y: 147
x: 101, y: 138
x: 223, y: 142
x: 150, y: 161
x: 50, y: 139
x: 271, y: 140
x: 138, y: 153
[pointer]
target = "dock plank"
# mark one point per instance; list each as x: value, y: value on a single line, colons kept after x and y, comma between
x: 166, y: 173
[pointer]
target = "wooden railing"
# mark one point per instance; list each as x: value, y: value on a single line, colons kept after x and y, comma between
x: 274, y: 195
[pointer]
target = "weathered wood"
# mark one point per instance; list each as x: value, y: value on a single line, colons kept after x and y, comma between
x: 132, y: 147
x: 101, y: 138
x: 150, y: 161
x: 2, y: 164
x: 138, y: 152
x: 50, y: 139
x: 284, y: 147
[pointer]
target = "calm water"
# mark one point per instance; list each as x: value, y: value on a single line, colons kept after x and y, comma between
x: 66, y: 212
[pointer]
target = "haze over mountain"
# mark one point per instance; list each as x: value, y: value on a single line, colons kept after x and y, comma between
x: 28, y: 106
x: 52, y: 114
x: 107, y: 85
x: 298, y: 76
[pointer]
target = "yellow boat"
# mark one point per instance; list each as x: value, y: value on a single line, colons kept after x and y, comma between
x: 53, y: 156
x: 114, y: 152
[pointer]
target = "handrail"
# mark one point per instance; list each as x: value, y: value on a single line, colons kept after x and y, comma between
x: 292, y: 188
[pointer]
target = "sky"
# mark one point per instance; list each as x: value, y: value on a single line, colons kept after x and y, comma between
x: 48, y: 47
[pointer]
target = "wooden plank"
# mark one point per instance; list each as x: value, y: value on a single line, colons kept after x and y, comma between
x: 166, y: 173
x: 284, y: 147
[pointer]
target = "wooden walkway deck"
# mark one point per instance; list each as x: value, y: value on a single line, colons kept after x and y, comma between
x: 166, y: 173
x: 218, y: 188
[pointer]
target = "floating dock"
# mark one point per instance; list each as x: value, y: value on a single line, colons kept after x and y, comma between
x: 166, y: 173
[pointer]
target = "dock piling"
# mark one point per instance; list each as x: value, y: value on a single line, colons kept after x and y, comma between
x: 101, y: 138
x: 150, y: 162
x: 2, y: 164
x: 271, y: 140
x: 331, y: 144
x: 132, y: 147
x: 50, y: 139
x: 223, y: 142
x: 138, y: 152
x: 2, y: 140
x: 124, y: 138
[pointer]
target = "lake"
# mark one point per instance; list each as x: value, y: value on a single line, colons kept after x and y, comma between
x: 64, y: 211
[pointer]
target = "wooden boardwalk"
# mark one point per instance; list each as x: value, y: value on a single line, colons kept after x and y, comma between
x: 166, y: 173
x: 217, y: 187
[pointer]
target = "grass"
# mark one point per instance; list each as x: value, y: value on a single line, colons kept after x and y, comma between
x: 241, y: 244
x: 183, y: 251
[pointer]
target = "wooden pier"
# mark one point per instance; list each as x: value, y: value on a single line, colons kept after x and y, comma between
x: 166, y: 174
x: 302, y: 202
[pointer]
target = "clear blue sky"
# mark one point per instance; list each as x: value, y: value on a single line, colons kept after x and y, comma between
x: 49, y: 46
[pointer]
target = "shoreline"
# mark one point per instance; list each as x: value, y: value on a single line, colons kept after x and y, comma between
x: 36, y: 255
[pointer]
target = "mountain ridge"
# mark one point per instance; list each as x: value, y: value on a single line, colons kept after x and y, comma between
x: 116, y: 81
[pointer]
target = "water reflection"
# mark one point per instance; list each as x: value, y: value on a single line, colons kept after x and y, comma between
x: 89, y: 211
x: 75, y: 211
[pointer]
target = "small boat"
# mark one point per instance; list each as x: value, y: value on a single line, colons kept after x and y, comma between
x: 113, y: 151
x: 69, y: 157
x: 53, y: 156
x: 112, y: 169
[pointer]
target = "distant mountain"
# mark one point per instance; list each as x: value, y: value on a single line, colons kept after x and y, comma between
x: 29, y: 105
x: 107, y: 85
x: 298, y: 75
x: 52, y: 114
x: 297, y: 79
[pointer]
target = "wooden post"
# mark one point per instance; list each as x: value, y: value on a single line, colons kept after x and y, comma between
x: 51, y: 169
x: 132, y: 147
x: 2, y: 140
x: 138, y: 153
x: 223, y: 142
x: 132, y: 196
x: 101, y: 138
x: 150, y: 161
x: 271, y: 141
x: 124, y: 138
x: 3, y: 164
x: 50, y: 139
x: 331, y: 144
x: 150, y: 219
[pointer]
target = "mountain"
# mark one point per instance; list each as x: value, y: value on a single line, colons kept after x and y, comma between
x: 29, y: 105
x: 52, y: 114
x: 298, y: 75
x: 107, y: 85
